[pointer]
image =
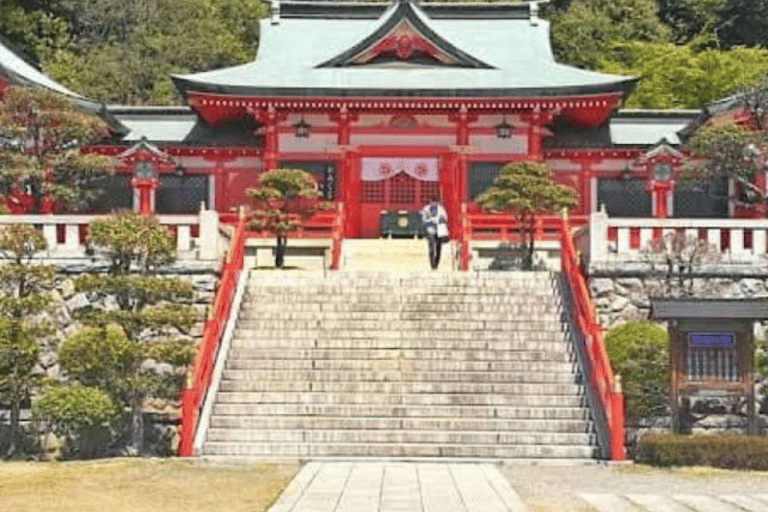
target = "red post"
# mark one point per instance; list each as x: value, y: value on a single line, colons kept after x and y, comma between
x: 618, y: 451
x: 187, y: 423
x: 270, y: 119
x: 145, y: 188
x: 464, y: 248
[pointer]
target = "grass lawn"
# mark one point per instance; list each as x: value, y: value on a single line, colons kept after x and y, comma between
x: 137, y: 485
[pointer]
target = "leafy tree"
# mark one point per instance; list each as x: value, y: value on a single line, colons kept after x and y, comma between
x: 149, y: 321
x: 22, y: 297
x: 525, y: 190
x: 728, y: 150
x: 692, y: 20
x: 40, y: 136
x: 638, y: 352
x: 585, y: 34
x: 675, y: 76
x: 80, y: 414
x: 283, y: 198
x: 733, y: 144
x: 125, y: 51
x: 743, y: 22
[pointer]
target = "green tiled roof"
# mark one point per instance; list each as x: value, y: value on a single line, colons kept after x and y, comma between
x: 517, y: 50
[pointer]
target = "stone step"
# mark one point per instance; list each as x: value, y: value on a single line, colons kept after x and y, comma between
x: 401, y: 354
x: 418, y: 337
x: 442, y: 437
x: 368, y: 423
x: 398, y: 387
x: 239, y: 449
x: 509, y: 304
x: 256, y: 332
x: 420, y: 399
x: 246, y: 340
x: 404, y: 325
x: 334, y: 374
x: 453, y: 411
x: 383, y: 276
x: 429, y: 312
x: 404, y: 288
x: 407, y: 288
x: 413, y: 366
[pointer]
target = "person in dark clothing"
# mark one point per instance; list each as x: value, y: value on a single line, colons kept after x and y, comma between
x: 434, y: 220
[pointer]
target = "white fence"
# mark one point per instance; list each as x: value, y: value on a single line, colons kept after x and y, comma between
x: 740, y: 240
x: 197, y: 236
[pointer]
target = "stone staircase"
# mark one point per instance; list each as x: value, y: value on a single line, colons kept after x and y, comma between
x: 397, y: 255
x: 383, y: 364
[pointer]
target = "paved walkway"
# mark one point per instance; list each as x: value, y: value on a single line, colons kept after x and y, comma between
x: 398, y: 487
x: 677, y: 502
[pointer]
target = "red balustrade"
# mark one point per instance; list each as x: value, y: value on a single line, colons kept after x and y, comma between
x: 193, y: 394
x: 319, y: 225
x: 504, y: 228
x: 337, y: 236
x: 601, y: 381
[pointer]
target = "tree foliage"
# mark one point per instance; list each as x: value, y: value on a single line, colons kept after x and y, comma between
x: 40, y: 136
x: 124, y: 51
x: 638, y: 352
x: 687, y: 53
x: 586, y: 33
x: 525, y: 190
x: 22, y: 297
x: 682, y: 76
x: 80, y: 414
x: 282, y: 199
x: 130, y: 241
x: 151, y: 321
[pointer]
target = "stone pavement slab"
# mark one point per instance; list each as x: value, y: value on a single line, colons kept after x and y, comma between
x: 606, y: 502
x: 390, y: 486
x: 751, y: 503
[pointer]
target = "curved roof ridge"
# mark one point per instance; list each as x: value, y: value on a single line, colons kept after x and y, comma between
x: 405, y: 12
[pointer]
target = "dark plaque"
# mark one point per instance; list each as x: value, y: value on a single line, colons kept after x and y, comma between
x: 711, y: 339
x: 329, y: 185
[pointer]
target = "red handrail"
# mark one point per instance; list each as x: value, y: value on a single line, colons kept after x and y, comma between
x: 608, y: 393
x: 464, y: 239
x: 502, y: 226
x: 193, y: 394
x: 337, y: 236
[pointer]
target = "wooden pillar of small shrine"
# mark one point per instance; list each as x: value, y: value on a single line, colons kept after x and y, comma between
x: 711, y: 353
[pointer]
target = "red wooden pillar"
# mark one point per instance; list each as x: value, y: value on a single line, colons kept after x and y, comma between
x: 351, y: 186
x: 269, y: 118
x: 585, y: 185
x: 536, y: 121
x: 219, y: 180
x: 660, y: 191
x: 457, y: 169
x: 343, y: 119
x: 447, y: 181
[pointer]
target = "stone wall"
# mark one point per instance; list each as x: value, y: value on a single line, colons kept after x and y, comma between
x: 621, y: 294
x: 163, y: 415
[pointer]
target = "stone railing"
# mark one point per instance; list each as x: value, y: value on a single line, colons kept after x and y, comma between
x: 615, y: 240
x: 197, y: 236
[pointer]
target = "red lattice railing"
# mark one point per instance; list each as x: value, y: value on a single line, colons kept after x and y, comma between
x: 607, y: 393
x: 193, y: 395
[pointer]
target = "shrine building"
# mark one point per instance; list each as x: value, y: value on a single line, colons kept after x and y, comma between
x: 387, y: 104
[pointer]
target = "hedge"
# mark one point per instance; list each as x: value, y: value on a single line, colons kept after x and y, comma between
x: 729, y: 451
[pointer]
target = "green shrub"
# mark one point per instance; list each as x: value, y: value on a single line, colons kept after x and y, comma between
x: 78, y: 413
x: 638, y: 352
x: 727, y: 451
